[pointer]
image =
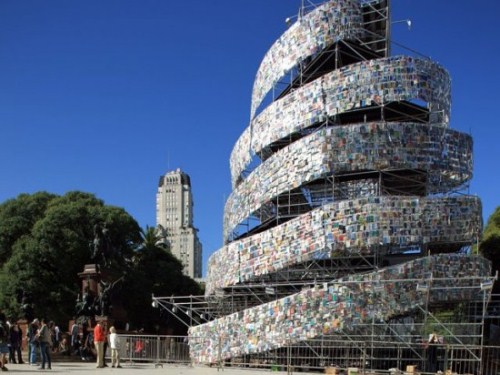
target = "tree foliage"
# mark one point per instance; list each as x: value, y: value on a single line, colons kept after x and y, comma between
x: 490, y: 244
x: 45, y: 241
x: 158, y: 271
x: 17, y: 217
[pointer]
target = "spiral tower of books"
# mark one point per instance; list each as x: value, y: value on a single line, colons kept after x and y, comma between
x: 344, y: 210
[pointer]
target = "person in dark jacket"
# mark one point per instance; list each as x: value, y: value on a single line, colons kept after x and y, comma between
x: 432, y: 353
x: 15, y: 341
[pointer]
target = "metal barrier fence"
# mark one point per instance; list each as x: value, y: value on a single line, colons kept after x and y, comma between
x: 153, y: 348
x: 321, y: 355
x: 337, y: 356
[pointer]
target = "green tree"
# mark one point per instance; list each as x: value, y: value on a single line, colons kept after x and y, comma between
x: 43, y: 256
x: 153, y: 238
x: 45, y: 241
x: 490, y: 244
x: 17, y: 217
x: 158, y: 272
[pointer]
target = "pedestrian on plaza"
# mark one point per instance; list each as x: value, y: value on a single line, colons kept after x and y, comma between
x: 55, y: 332
x: 16, y: 337
x: 4, y: 339
x: 432, y: 362
x: 45, y: 338
x: 33, y: 341
x: 99, y: 338
x: 114, y: 343
x: 105, y: 346
x: 75, y: 330
x: 89, y: 349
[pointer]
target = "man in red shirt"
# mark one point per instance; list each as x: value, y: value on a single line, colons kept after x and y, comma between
x: 99, y: 338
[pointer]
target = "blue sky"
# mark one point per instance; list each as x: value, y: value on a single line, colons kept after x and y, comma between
x: 104, y: 96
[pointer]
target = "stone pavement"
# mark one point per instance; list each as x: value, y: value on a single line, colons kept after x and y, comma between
x: 87, y: 368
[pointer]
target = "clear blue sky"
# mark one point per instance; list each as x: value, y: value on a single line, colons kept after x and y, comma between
x: 104, y: 96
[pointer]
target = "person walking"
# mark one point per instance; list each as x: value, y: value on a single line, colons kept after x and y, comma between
x: 114, y: 343
x: 45, y: 338
x: 33, y: 341
x: 99, y: 338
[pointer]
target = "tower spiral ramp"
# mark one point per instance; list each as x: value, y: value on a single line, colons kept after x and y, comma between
x: 351, y: 205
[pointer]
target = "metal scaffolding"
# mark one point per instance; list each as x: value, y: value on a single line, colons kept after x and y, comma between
x: 384, y: 341
x: 381, y: 343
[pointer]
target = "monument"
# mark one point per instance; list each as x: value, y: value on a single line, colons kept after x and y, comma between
x: 95, y: 302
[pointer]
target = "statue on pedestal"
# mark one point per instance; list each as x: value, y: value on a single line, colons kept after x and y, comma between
x: 101, y: 245
x: 104, y: 300
x: 85, y: 307
x: 97, y: 285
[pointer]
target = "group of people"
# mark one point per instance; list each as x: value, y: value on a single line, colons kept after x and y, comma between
x: 10, y: 342
x: 39, y: 336
x: 100, y: 341
x: 43, y: 337
x: 94, y: 343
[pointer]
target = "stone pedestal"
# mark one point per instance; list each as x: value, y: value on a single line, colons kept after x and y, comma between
x: 91, y: 276
x: 93, y: 282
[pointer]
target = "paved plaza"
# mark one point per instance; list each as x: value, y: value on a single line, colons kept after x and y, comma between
x: 86, y: 368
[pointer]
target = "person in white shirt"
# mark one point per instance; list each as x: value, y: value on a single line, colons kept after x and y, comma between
x: 114, y: 343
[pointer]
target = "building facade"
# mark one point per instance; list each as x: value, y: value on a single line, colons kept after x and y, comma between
x: 174, y: 213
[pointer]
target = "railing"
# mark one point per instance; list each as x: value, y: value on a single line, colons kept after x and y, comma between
x: 153, y: 348
x: 319, y: 355
x: 372, y: 357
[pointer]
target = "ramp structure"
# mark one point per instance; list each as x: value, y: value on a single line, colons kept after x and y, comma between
x: 348, y: 217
